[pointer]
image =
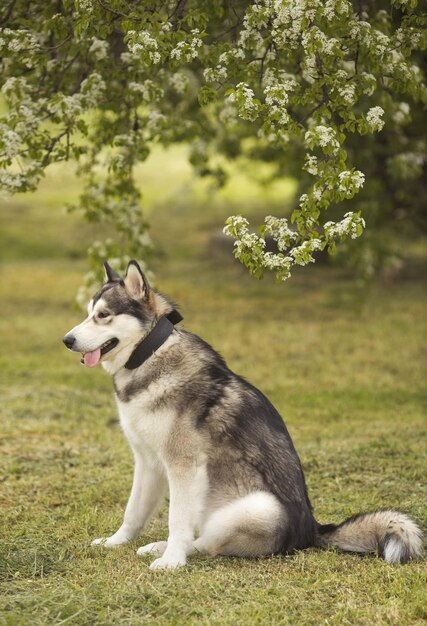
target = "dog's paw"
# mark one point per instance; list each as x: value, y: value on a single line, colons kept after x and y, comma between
x: 155, y: 549
x: 108, y: 542
x: 98, y: 542
x: 168, y: 562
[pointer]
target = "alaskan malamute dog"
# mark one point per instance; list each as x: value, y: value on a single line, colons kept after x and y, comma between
x: 236, y: 485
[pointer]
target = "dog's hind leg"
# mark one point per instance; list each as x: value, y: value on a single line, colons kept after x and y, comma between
x: 249, y: 526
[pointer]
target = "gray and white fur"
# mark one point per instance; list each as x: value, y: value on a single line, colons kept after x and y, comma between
x: 236, y: 485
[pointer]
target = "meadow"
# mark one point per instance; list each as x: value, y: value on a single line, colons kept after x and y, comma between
x: 343, y: 363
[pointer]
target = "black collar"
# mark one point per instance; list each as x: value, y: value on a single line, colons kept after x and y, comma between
x: 155, y: 338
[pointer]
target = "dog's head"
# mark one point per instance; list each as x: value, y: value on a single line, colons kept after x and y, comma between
x: 120, y: 314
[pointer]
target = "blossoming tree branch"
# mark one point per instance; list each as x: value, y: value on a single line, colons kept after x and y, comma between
x: 297, y: 82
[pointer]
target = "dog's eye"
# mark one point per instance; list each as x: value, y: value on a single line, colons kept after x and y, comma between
x: 102, y: 314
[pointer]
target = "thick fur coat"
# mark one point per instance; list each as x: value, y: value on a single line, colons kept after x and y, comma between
x: 236, y: 485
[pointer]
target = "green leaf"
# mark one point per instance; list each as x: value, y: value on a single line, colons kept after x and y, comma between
x: 207, y: 95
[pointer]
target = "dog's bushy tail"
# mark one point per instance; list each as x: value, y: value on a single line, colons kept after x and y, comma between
x: 391, y: 534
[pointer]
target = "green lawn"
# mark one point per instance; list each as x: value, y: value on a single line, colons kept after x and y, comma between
x: 344, y: 366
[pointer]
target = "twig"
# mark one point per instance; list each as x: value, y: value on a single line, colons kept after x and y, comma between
x: 117, y: 13
x: 52, y: 145
x: 310, y: 113
x: 59, y: 45
x: 8, y: 12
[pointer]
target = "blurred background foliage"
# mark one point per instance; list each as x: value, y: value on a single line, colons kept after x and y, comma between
x: 279, y: 91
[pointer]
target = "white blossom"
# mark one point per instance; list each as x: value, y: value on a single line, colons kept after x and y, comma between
x: 303, y: 254
x: 92, y: 89
x: 27, y: 179
x: 351, y: 182
x: 277, y: 98
x: 15, y: 90
x: 402, y: 113
x: 349, y: 226
x: 155, y: 120
x: 179, y: 82
x: 368, y: 82
x: 374, y: 118
x: 86, y: 5
x: 228, y: 113
x: 287, y: 21
x: 215, y: 74
x: 28, y: 116
x: 127, y: 58
x: 317, y: 193
x: 99, y: 48
x: 186, y: 51
x: 361, y: 31
x: 237, y: 226
x: 332, y: 8
x: 244, y: 98
x: 317, y: 39
x: 67, y: 106
x: 311, y: 164
x: 279, y: 229
x: 380, y: 42
x: 167, y: 27
x: 142, y: 43
x: 149, y: 90
x: 322, y: 136
x: 10, y: 142
x: 10, y: 182
x: 348, y: 93
x: 278, y: 263
x: 304, y: 199
x: 407, y: 165
x: 71, y: 106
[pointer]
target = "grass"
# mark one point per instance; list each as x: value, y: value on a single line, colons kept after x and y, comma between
x: 343, y: 365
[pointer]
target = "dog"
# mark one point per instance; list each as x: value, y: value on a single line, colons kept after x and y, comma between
x: 236, y: 485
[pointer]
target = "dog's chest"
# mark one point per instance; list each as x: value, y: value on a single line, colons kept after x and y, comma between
x: 143, y: 426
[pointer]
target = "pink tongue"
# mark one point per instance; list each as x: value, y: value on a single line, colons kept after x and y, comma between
x: 92, y: 358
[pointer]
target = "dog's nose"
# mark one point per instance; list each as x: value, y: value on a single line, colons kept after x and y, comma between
x: 69, y: 341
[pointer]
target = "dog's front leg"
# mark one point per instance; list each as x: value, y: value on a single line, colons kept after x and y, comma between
x: 147, y: 489
x: 187, y: 490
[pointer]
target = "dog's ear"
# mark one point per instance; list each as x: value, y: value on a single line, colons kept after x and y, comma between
x: 111, y: 275
x: 136, y: 283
